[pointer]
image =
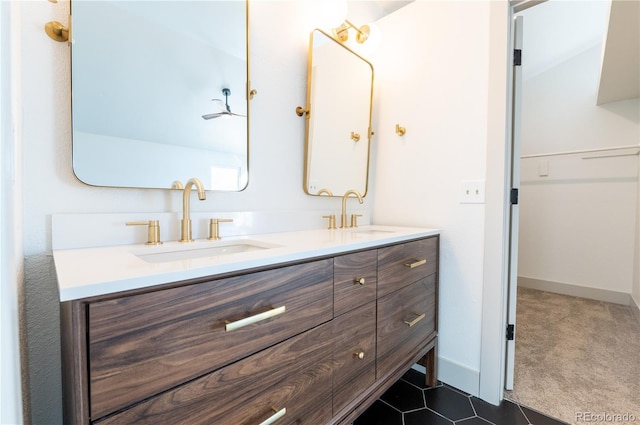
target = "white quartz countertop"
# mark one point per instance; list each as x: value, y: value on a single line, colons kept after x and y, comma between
x: 89, y: 272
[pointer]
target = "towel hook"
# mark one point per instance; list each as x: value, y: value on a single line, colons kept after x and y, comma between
x: 57, y: 31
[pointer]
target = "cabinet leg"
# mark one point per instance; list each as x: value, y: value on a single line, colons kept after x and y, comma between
x: 430, y: 362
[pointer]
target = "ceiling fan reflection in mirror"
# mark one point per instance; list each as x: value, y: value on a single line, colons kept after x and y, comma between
x: 225, y: 113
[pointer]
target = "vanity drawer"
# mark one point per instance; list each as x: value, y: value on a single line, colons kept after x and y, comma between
x: 355, y: 280
x: 401, y: 328
x: 143, y: 344
x: 401, y: 265
x: 294, y: 375
x: 354, y: 354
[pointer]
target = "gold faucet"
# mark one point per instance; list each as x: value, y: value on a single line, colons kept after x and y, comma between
x: 186, y: 214
x: 343, y: 217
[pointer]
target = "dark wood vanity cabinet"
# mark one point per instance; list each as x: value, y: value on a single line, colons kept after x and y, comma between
x: 134, y: 341
x: 325, y: 338
x: 355, y: 280
x: 293, y: 379
x: 407, y: 303
x: 354, y: 354
x: 405, y: 323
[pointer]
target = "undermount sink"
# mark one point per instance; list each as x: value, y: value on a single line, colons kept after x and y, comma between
x: 199, y: 250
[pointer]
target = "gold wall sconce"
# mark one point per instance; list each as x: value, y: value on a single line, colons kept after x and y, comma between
x: 341, y: 33
x: 368, y: 33
x: 400, y: 131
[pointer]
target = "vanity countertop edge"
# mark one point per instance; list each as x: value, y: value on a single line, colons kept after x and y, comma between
x: 90, y: 272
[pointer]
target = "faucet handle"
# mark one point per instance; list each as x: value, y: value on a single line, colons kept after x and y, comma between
x: 332, y: 221
x: 214, y: 227
x: 153, y: 231
x: 354, y: 219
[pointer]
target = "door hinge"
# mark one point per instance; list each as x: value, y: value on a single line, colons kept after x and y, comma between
x: 511, y: 329
x: 517, y: 57
x: 514, y: 196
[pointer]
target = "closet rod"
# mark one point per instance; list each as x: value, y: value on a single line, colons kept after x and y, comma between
x: 539, y: 155
x: 614, y: 155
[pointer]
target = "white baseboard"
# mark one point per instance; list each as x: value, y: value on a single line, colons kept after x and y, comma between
x: 575, y: 290
x: 635, y: 308
x: 459, y: 376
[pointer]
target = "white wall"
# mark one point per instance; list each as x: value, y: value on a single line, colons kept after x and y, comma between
x: 278, y: 61
x: 563, y: 98
x: 432, y: 72
x: 578, y: 223
x: 10, y: 224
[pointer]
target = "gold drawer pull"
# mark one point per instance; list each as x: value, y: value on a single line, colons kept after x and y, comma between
x: 416, y: 263
x: 359, y: 354
x: 232, y: 326
x: 359, y: 280
x: 414, y: 321
x: 279, y: 413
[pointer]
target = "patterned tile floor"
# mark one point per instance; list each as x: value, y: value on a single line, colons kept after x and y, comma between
x: 410, y: 402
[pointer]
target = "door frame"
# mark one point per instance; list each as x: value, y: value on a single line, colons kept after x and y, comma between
x: 514, y: 218
x: 497, y: 228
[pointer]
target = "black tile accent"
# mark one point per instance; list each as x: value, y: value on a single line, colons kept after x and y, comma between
x: 404, y: 396
x: 424, y: 417
x: 455, y: 389
x: 416, y: 378
x: 537, y: 418
x: 474, y: 421
x: 507, y: 413
x: 380, y: 414
x: 410, y: 402
x: 449, y: 403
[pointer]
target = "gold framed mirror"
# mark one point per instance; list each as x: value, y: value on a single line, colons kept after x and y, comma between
x: 160, y: 93
x: 338, y: 118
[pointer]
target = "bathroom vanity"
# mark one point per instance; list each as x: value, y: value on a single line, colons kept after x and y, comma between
x: 301, y: 333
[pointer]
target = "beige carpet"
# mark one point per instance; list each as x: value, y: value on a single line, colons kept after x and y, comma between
x: 577, y: 359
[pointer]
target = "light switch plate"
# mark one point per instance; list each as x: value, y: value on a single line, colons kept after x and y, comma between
x: 472, y: 192
x: 543, y: 168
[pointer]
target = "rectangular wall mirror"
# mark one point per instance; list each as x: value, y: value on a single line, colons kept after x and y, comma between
x: 338, y: 118
x: 160, y: 93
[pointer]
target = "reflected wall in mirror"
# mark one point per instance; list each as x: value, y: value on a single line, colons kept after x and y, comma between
x: 338, y: 118
x: 144, y: 78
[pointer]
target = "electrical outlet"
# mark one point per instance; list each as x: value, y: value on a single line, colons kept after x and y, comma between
x: 472, y: 192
